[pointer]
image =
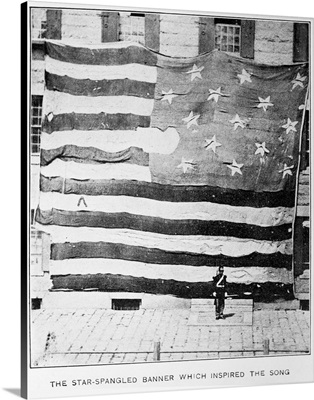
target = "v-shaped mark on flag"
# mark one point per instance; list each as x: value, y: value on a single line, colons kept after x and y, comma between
x: 81, y: 200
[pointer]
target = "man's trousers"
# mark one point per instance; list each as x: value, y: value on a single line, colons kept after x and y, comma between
x: 219, y: 306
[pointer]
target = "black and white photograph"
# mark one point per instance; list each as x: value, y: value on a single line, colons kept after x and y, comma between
x: 169, y: 191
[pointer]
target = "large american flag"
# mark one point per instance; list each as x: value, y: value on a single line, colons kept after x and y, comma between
x: 156, y: 170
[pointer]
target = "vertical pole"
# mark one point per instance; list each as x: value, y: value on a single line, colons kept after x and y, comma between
x: 297, y: 185
x: 266, y: 347
x: 156, y: 351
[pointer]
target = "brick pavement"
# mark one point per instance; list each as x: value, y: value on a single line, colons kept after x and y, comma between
x: 102, y: 336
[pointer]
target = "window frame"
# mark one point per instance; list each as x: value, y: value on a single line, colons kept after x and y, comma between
x: 233, y: 24
x: 42, y: 32
x: 123, y: 34
x: 207, y: 35
x: 36, y: 126
x: 36, y: 253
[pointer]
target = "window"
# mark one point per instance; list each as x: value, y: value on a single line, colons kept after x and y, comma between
x: 36, y: 253
x: 305, y: 153
x: 36, y: 303
x: 305, y: 305
x: 36, y: 116
x: 301, y: 42
x: 32, y: 216
x: 132, y: 27
x: 228, y: 35
x: 126, y: 304
x: 39, y: 23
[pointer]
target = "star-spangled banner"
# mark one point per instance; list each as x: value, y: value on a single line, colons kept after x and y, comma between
x: 155, y: 170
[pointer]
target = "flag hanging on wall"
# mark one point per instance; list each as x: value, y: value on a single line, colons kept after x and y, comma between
x: 157, y: 170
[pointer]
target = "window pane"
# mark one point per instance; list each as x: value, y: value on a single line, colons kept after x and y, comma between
x: 36, y: 118
x: 132, y: 28
x: 39, y: 23
x: 35, y: 149
x: 227, y: 37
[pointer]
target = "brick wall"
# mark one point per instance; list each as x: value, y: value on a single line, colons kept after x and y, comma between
x: 179, y: 35
x: 273, y: 42
x: 81, y: 25
x: 38, y: 67
x: 304, y: 193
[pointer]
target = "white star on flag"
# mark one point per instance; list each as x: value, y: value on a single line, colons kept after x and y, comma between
x: 237, y: 121
x: 214, y: 94
x: 264, y: 103
x: 168, y: 96
x: 212, y: 144
x: 195, y: 72
x: 191, y: 119
x: 286, y: 170
x: 245, y: 76
x: 235, y: 168
x: 290, y: 126
x: 298, y: 81
x: 186, y: 164
x: 261, y: 148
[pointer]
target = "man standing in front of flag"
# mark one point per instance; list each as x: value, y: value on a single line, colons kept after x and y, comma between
x: 220, y: 283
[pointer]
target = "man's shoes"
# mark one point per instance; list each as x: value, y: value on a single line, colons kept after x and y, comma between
x: 221, y: 317
x: 217, y: 317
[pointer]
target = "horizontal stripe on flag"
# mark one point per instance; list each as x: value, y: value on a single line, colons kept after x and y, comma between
x: 156, y: 191
x: 210, y: 245
x: 104, y: 87
x: 85, y: 122
x: 91, y: 155
x: 63, y: 251
x: 264, y: 217
x: 96, y: 171
x: 160, y: 225
x: 117, y: 53
x: 133, y: 72
x: 268, y: 291
x: 151, y: 140
x: 59, y: 103
x: 176, y: 272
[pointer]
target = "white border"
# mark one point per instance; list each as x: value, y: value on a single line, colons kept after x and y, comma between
x: 301, y: 368
x: 10, y: 164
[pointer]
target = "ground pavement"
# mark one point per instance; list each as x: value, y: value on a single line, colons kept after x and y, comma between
x: 101, y: 336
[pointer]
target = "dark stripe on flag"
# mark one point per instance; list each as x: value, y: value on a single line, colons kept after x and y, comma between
x: 161, y: 225
x: 107, y: 56
x: 88, y: 87
x: 91, y: 155
x: 260, y: 292
x: 95, y: 122
x: 63, y: 251
x: 156, y: 191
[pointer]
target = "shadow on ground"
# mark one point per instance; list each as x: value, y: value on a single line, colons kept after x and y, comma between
x: 15, y: 391
x: 228, y: 315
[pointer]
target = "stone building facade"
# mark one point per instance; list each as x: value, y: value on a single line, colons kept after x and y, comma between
x: 272, y: 42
